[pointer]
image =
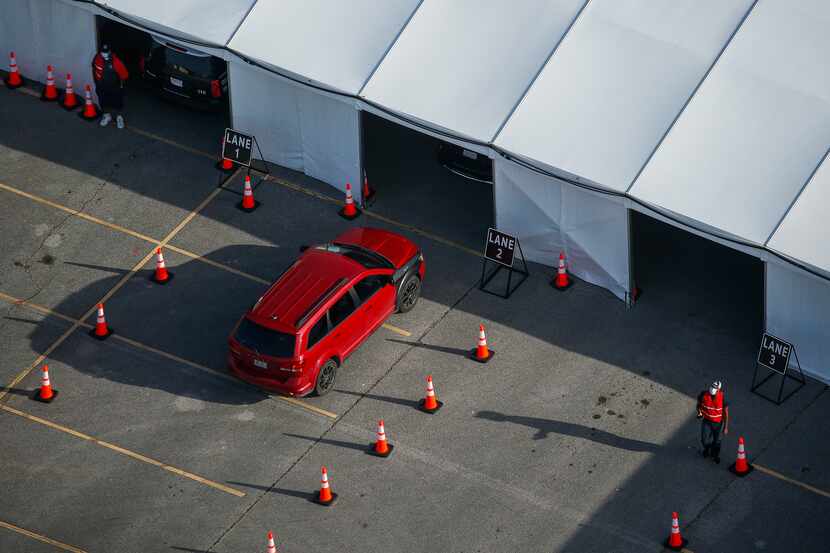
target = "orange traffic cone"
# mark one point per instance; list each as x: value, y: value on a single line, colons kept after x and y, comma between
x: 69, y: 101
x: 161, y: 274
x: 349, y: 210
x: 45, y: 393
x: 50, y: 93
x: 741, y: 467
x: 13, y: 80
x: 272, y: 547
x: 223, y: 164
x: 675, y: 541
x: 368, y: 191
x: 326, y: 497
x: 248, y: 204
x: 381, y: 448
x: 562, y: 281
x: 101, y: 330
x: 430, y: 403
x: 481, y: 352
x: 90, y: 111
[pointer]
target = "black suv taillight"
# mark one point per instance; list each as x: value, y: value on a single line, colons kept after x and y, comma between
x: 215, y: 89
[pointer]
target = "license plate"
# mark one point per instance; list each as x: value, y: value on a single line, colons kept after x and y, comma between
x: 176, y: 82
x: 261, y: 364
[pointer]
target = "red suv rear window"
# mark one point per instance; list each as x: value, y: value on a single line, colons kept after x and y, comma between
x: 264, y: 341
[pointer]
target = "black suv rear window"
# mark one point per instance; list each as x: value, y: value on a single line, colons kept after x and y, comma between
x: 206, y: 67
x: 265, y: 341
x: 367, y: 258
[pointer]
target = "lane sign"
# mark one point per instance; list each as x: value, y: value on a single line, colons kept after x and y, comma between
x: 500, y: 247
x: 238, y: 147
x: 774, y: 353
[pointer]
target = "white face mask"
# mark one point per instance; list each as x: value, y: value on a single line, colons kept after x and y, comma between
x: 713, y: 391
x: 105, y: 55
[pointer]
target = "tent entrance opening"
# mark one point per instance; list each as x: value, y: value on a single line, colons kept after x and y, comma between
x: 173, y: 90
x: 428, y: 183
x: 705, y: 290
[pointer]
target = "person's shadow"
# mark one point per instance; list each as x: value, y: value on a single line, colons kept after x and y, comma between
x: 548, y: 426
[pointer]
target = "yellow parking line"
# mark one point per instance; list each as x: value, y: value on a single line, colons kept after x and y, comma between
x: 124, y: 451
x: 107, y: 296
x: 135, y: 343
x: 400, y: 331
x: 789, y: 480
x: 44, y: 539
x: 76, y: 213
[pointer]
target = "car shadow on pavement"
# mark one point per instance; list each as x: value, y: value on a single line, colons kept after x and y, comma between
x: 190, y: 319
x: 551, y: 426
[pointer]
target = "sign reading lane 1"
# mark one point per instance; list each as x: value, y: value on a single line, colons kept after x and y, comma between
x: 500, y: 247
x: 774, y: 353
x: 237, y: 147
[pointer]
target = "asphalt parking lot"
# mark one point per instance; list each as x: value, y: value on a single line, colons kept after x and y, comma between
x: 579, y: 436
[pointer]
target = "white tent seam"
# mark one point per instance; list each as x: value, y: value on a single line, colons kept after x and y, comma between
x: 691, y: 96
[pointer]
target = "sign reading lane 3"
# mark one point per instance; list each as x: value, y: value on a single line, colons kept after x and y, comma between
x: 774, y: 353
x: 500, y: 247
x: 237, y: 147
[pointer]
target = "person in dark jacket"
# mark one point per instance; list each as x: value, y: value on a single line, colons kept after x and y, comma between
x: 109, y: 74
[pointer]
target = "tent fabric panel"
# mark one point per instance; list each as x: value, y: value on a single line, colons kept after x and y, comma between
x: 37, y: 33
x: 442, y: 67
x: 804, y: 233
x: 550, y: 216
x: 212, y: 21
x: 798, y: 310
x: 755, y: 130
x: 337, y: 44
x: 616, y: 83
x: 330, y: 133
x: 268, y: 108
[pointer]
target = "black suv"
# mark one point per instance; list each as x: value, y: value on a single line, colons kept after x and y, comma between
x: 187, y: 76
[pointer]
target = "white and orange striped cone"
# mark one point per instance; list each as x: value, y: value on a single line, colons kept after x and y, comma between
x: 562, y: 280
x: 481, y: 352
x: 248, y: 203
x: 13, y: 79
x: 325, y: 497
x: 741, y: 466
x: 161, y: 275
x: 90, y: 111
x: 368, y: 193
x: 349, y: 210
x: 101, y: 330
x: 675, y: 542
x: 272, y: 547
x: 430, y: 403
x: 50, y: 92
x: 69, y: 100
x: 381, y: 447
x: 45, y: 394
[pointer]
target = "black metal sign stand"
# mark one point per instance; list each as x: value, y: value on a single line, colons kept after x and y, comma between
x: 485, y: 278
x: 222, y: 174
x: 785, y: 374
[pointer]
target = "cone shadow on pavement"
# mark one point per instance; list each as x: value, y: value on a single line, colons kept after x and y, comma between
x: 309, y: 496
x: 328, y: 441
x: 387, y: 399
x: 551, y: 426
x: 444, y: 349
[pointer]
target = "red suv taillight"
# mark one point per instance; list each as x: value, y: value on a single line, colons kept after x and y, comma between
x: 141, y: 64
x: 215, y: 89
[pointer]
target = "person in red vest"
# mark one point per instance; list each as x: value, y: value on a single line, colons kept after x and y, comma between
x: 714, y: 412
x: 109, y: 74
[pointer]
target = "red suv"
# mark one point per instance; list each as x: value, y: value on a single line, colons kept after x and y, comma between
x: 333, y: 297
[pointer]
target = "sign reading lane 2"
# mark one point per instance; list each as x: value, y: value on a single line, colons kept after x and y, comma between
x: 237, y: 147
x: 500, y: 247
x: 774, y: 353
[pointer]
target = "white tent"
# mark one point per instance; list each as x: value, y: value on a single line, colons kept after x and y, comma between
x: 710, y: 115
